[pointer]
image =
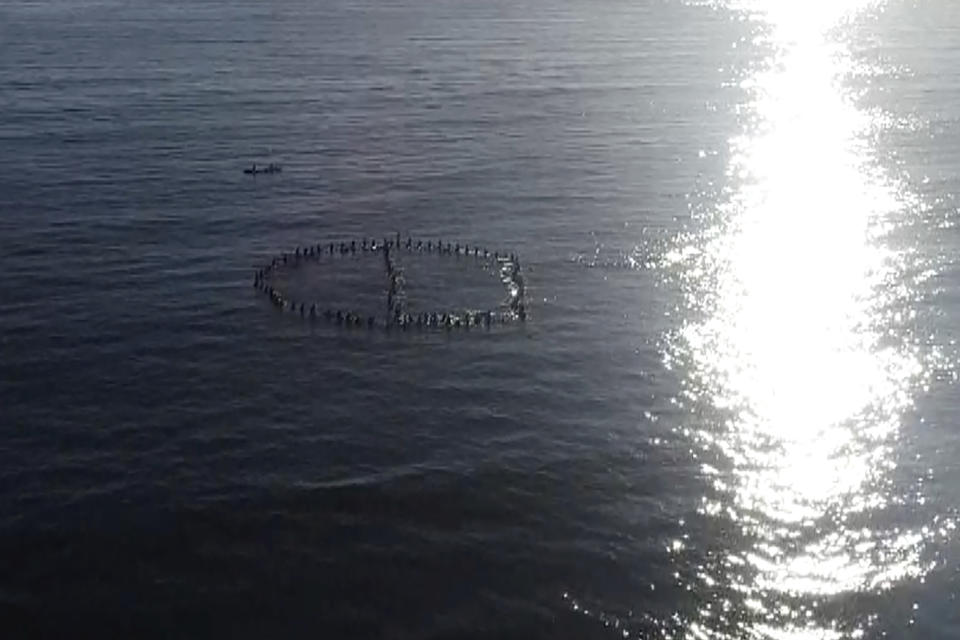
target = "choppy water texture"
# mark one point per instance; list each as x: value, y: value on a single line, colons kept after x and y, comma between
x: 731, y: 413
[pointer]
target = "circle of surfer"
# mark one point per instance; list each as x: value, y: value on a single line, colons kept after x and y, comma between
x: 397, y: 315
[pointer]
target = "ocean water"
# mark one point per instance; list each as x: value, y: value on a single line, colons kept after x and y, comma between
x: 731, y: 413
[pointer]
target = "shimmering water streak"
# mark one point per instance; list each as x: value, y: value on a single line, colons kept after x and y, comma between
x: 789, y: 277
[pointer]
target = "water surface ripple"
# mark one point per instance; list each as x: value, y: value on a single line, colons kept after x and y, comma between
x: 730, y: 414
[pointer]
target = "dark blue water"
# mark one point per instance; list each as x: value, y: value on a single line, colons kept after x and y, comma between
x: 731, y: 412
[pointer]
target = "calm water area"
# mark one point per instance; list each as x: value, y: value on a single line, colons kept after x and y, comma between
x: 731, y: 413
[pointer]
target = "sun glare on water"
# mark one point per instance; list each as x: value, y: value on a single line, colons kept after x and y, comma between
x: 788, y: 280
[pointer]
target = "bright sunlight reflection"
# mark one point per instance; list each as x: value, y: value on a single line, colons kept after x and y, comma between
x: 790, y: 280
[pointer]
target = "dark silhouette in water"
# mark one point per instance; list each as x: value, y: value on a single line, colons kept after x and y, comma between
x: 396, y: 310
x: 270, y: 168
